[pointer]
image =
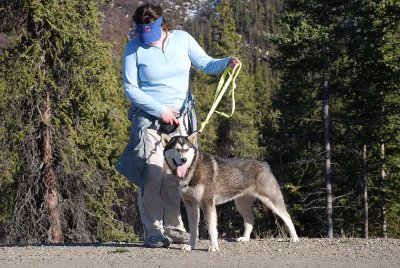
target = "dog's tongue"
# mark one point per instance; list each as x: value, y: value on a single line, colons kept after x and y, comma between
x: 181, y: 170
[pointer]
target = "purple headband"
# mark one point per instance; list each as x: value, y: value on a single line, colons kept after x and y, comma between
x: 150, y: 32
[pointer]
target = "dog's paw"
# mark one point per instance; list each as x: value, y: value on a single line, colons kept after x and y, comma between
x: 243, y: 239
x: 213, y: 248
x: 186, y: 248
x: 294, y: 239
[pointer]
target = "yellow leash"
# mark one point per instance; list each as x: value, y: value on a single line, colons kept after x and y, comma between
x: 223, y: 85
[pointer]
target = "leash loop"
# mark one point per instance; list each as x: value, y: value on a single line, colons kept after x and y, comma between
x: 227, y: 78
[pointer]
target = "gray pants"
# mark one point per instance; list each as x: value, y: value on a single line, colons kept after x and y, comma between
x: 159, y: 201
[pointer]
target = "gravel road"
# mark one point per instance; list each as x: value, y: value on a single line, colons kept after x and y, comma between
x: 256, y: 253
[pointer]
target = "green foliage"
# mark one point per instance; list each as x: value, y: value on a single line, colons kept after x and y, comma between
x: 224, y: 34
x: 375, y: 56
x: 60, y: 54
x: 58, y: 51
x: 235, y: 135
x: 8, y: 157
x: 203, y: 89
x: 363, y: 75
x: 254, y: 84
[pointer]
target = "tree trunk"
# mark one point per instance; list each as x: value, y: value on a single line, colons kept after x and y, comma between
x: 383, y: 209
x: 51, y: 197
x: 384, y: 222
x: 327, y: 146
x: 365, y: 190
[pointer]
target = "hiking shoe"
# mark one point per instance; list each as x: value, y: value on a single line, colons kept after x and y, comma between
x: 157, y: 241
x: 178, y: 236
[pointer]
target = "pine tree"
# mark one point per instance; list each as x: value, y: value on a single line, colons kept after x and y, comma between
x: 360, y: 44
x: 253, y: 114
x: 309, y: 53
x: 203, y: 89
x: 64, y: 123
x: 236, y: 135
x: 373, y: 50
x: 223, y: 30
x: 8, y: 157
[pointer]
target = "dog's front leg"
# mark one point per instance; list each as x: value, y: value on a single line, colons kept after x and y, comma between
x: 210, y: 213
x: 193, y: 213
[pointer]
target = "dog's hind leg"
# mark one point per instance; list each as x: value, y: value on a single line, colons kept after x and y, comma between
x: 279, y: 209
x: 210, y: 213
x: 243, y: 205
x: 193, y: 213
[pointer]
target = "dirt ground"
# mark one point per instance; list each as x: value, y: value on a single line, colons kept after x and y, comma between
x: 256, y: 253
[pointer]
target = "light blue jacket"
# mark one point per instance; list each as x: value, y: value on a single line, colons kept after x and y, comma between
x: 153, y: 80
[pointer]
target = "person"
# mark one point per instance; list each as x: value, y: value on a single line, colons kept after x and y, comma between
x: 156, y: 67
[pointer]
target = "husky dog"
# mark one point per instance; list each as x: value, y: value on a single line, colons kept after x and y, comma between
x: 206, y: 181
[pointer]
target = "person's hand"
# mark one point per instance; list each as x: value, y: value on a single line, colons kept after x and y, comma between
x: 169, y: 116
x: 233, y: 61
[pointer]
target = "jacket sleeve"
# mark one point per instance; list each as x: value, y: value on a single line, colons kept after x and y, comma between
x: 201, y: 60
x: 132, y: 85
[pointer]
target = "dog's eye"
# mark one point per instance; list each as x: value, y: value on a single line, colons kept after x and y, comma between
x: 183, y: 150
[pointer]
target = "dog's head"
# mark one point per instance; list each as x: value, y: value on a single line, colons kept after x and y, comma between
x: 179, y: 152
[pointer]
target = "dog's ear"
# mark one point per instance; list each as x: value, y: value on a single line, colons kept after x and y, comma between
x: 165, y: 139
x: 193, y: 138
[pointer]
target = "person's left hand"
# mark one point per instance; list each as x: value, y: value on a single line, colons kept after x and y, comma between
x: 233, y: 61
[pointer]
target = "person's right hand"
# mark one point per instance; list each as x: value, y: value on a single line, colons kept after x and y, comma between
x: 233, y: 61
x: 169, y: 116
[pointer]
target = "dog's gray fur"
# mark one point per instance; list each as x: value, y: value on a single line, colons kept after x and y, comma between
x: 207, y: 181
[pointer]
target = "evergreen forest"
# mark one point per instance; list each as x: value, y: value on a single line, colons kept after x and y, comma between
x: 318, y: 98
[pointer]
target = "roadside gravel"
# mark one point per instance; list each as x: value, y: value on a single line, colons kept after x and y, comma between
x: 256, y: 253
